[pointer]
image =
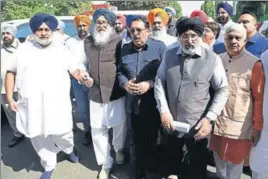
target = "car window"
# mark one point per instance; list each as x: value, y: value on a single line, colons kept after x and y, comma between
x: 24, y: 29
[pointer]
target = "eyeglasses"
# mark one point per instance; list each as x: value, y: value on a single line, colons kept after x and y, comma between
x: 138, y: 30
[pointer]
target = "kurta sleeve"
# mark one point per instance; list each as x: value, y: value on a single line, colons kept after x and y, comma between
x: 13, y: 63
x: 257, y: 88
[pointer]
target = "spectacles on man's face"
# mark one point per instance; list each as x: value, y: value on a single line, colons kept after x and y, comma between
x: 138, y: 30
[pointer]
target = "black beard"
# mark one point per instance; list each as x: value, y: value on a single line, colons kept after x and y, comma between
x: 223, y: 20
x: 82, y: 34
x: 8, y: 43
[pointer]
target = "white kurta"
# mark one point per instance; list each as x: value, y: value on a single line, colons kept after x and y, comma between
x: 43, y: 82
x: 259, y: 154
x: 222, y: 32
x: 167, y: 39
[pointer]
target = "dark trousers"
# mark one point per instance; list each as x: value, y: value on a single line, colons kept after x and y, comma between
x: 188, y: 158
x: 145, y: 132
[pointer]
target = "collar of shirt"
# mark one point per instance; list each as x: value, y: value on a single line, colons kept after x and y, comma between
x: 255, y: 38
x: 143, y: 48
x: 225, y: 26
x: 243, y: 52
x: 198, y: 52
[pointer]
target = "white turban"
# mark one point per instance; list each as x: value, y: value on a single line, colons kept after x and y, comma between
x: 9, y: 28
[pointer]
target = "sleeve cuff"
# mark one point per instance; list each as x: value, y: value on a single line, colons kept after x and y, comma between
x: 123, y: 82
x: 211, y: 115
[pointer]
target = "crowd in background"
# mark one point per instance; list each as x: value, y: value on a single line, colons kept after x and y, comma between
x: 194, y: 85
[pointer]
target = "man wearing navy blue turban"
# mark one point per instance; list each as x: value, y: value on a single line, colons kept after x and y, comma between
x: 107, y: 104
x: 44, y: 110
x: 224, y: 16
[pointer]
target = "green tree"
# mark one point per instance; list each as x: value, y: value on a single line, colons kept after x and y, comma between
x: 177, y: 6
x: 139, y: 5
x: 209, y: 8
x: 25, y: 9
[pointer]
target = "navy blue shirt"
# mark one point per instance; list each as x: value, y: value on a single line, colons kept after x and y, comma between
x: 133, y: 62
x: 256, y: 45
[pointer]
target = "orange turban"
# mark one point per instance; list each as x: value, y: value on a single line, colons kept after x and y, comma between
x: 158, y: 12
x: 79, y: 18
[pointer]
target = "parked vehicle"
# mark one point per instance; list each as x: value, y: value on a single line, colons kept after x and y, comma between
x: 24, y: 29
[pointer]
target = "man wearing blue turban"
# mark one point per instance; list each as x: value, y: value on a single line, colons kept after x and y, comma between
x: 107, y: 102
x: 171, y: 30
x: 224, y: 16
x: 44, y: 110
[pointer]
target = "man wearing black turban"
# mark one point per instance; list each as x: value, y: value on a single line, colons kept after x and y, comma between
x: 190, y: 71
x: 44, y: 111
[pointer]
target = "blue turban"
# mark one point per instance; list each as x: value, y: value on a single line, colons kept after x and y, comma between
x: 227, y: 7
x: 38, y: 19
x: 130, y: 19
x: 109, y: 15
x: 170, y: 10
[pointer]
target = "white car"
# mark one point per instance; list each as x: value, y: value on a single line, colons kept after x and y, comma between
x: 24, y: 29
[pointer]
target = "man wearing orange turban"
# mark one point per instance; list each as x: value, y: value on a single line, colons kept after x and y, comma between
x: 76, y: 46
x: 158, y: 20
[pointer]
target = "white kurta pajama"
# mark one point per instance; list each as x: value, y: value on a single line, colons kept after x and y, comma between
x: 44, y: 107
x: 259, y: 154
x: 103, y: 117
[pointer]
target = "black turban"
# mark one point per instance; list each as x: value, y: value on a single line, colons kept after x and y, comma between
x: 194, y: 24
x: 38, y: 19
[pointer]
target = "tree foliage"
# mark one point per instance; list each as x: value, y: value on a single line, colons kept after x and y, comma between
x: 146, y: 5
x: 138, y: 5
x: 177, y: 6
x: 25, y: 9
x: 209, y: 8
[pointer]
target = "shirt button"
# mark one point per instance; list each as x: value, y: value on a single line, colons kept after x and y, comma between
x: 226, y: 70
x: 230, y: 61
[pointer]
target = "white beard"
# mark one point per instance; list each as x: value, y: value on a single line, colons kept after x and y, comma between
x: 103, y: 37
x: 159, y: 34
x: 44, y: 42
x: 190, y: 50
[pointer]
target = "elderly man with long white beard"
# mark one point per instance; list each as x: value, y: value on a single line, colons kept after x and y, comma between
x: 107, y: 102
x: 43, y: 109
x: 158, y: 20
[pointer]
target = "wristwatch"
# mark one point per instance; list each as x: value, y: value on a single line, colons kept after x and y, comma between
x: 210, y: 120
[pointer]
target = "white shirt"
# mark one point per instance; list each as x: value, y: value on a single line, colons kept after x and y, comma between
x: 76, y: 45
x: 167, y: 39
x: 223, y: 28
x: 43, y: 82
x: 6, y: 60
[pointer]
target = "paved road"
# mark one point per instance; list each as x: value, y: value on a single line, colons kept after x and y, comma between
x: 21, y: 162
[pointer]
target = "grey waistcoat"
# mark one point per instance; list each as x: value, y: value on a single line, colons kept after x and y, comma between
x: 188, y: 84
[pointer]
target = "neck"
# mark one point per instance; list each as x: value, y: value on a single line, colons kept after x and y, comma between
x: 82, y: 37
x: 252, y: 34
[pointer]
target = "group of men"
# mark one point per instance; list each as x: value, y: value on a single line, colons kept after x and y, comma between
x: 135, y: 76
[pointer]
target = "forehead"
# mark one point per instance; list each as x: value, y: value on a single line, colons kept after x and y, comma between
x: 137, y: 24
x: 44, y: 26
x: 235, y: 33
x: 208, y: 29
x: 118, y: 21
x: 246, y: 17
x: 221, y: 10
x: 101, y: 18
x: 157, y: 19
